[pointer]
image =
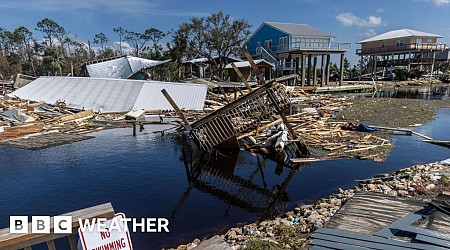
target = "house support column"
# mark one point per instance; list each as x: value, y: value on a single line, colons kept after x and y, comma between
x: 341, y: 70
x: 421, y: 59
x: 322, y: 66
x: 432, y: 63
x: 327, y: 75
x: 392, y: 63
x: 296, y: 66
x: 303, y: 69
x: 361, y: 67
x: 409, y: 62
x: 374, y: 71
x: 308, y: 80
x: 315, y: 71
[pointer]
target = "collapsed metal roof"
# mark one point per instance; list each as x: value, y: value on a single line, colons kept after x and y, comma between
x: 113, y: 95
x: 246, y: 64
x: 206, y: 60
x: 122, y: 67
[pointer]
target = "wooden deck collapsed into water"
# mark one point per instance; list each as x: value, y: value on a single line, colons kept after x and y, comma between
x: 384, y: 217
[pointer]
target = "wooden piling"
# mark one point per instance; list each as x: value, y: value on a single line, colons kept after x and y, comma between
x: 175, y: 107
x: 238, y: 72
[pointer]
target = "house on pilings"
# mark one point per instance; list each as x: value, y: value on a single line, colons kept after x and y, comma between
x: 401, y: 48
x: 295, y: 48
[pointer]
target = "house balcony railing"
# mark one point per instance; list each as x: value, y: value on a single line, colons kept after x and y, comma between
x: 402, y: 48
x: 404, y: 62
x: 311, y: 46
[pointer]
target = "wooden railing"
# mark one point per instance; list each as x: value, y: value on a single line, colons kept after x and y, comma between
x: 10, y: 241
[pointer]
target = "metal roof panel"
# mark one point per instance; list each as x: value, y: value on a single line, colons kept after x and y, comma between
x: 112, y: 94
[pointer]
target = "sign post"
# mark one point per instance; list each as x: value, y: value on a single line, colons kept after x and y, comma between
x: 113, y: 236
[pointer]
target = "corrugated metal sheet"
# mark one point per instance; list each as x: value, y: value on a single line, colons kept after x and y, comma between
x: 399, y: 34
x: 246, y: 64
x: 81, y: 92
x: 122, y: 67
x: 112, y: 94
x: 186, y: 96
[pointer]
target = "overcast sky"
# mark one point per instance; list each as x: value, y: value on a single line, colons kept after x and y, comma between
x: 349, y: 20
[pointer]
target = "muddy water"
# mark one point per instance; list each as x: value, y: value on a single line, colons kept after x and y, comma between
x: 154, y: 175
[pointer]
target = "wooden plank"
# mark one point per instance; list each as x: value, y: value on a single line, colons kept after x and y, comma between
x: 51, y: 245
x: 238, y: 72
x: 440, y: 143
x: 305, y: 160
x: 254, y: 67
x: 175, y: 107
x: 80, y: 115
x: 72, y: 242
x: 10, y: 241
x: 360, y: 149
x: 421, y: 135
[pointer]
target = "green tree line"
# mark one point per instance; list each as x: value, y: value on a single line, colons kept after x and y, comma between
x: 60, y: 52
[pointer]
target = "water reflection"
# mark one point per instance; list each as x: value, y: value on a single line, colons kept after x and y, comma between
x: 424, y: 92
x: 213, y: 173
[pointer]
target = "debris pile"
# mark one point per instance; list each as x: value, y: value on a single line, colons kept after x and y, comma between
x: 44, y: 123
x: 326, y: 137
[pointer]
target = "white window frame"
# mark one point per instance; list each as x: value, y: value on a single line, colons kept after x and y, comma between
x: 266, y: 42
x: 284, y: 44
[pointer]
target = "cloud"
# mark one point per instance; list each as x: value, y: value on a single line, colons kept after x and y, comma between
x: 349, y: 19
x: 436, y: 2
x: 118, y: 7
x: 380, y: 10
x: 126, y: 47
x: 370, y: 33
x: 439, y: 2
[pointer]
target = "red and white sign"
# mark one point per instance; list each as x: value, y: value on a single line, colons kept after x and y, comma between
x: 111, y: 234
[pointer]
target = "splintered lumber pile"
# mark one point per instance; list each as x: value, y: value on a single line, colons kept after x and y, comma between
x: 17, y: 131
x: 326, y: 135
x: 19, y: 118
x: 312, y: 119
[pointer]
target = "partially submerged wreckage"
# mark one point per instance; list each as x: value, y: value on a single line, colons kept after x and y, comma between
x: 281, y: 122
x: 219, y: 130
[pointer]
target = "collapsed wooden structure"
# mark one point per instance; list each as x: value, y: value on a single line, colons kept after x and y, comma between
x: 378, y: 221
x: 220, y: 129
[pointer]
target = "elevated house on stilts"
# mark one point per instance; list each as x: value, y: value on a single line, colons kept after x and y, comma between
x: 296, y: 48
x: 401, y: 48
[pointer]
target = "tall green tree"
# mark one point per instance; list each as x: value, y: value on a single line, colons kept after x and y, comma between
x: 136, y: 40
x: 215, y: 36
x: 51, y: 29
x: 24, y: 42
x: 178, y: 49
x: 121, y: 32
x: 101, y: 39
x: 154, y: 36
